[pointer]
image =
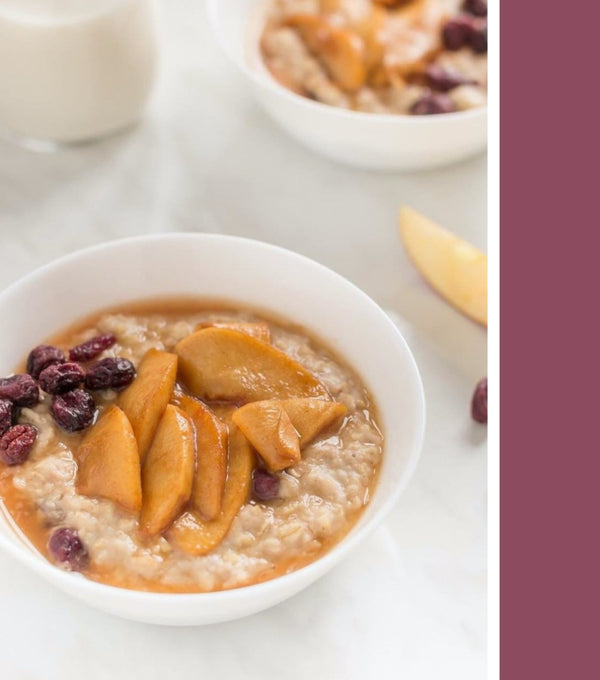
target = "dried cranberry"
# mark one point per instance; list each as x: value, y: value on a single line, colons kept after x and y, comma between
x: 92, y: 348
x: 457, y: 32
x: 440, y: 79
x: 478, y: 37
x: 74, y: 410
x: 6, y: 415
x: 432, y: 103
x: 476, y: 7
x: 60, y: 378
x: 265, y: 485
x: 114, y: 373
x: 16, y: 443
x: 67, y: 548
x: 21, y: 389
x: 479, y: 402
x: 41, y: 357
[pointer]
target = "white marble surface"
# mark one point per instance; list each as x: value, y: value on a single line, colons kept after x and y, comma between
x: 411, y: 602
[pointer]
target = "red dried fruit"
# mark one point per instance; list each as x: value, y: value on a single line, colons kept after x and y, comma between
x: 60, y: 378
x: 432, y: 103
x: 41, y: 357
x: 478, y: 37
x: 6, y: 415
x: 465, y: 31
x: 74, y: 410
x: 476, y: 7
x: 456, y: 32
x: 16, y: 443
x: 92, y: 348
x: 21, y: 389
x: 68, y: 549
x: 110, y: 373
x: 443, y: 81
x: 265, y: 485
x: 479, y: 402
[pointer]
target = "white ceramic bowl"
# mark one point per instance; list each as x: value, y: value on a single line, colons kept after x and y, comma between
x: 248, y: 273
x: 365, y: 140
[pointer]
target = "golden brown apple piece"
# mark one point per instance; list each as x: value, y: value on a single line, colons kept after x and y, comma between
x: 453, y: 267
x: 397, y: 3
x: 257, y: 329
x: 412, y: 34
x: 367, y: 21
x: 311, y: 416
x: 331, y: 6
x: 167, y: 472
x: 370, y: 29
x: 219, y: 364
x: 194, y: 535
x: 270, y: 431
x: 145, y: 399
x: 341, y: 51
x: 211, y: 456
x: 109, y: 462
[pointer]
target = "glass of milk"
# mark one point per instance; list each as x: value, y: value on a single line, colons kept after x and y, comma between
x: 74, y: 70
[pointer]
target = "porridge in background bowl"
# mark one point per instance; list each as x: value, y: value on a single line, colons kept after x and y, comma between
x: 178, y: 447
x: 414, y: 57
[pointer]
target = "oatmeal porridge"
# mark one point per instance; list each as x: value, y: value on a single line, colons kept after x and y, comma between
x: 414, y: 57
x: 177, y: 447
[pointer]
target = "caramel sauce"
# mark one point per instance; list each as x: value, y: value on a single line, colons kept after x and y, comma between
x: 32, y: 527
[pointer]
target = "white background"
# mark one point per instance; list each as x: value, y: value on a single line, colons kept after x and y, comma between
x: 411, y: 601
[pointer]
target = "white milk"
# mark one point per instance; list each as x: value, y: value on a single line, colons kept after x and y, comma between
x: 73, y: 70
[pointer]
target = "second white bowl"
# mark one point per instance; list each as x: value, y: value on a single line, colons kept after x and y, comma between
x: 365, y: 140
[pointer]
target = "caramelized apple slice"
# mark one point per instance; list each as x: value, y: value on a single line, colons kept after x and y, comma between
x: 340, y: 50
x: 366, y: 20
x: 311, y: 416
x: 270, y: 431
x: 412, y: 34
x: 167, y: 472
x: 145, y: 399
x: 109, y: 462
x: 257, y: 329
x: 331, y: 6
x: 370, y: 29
x: 219, y: 364
x: 398, y: 3
x: 196, y: 536
x: 211, y: 456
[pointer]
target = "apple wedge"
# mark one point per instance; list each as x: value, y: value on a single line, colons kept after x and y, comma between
x: 167, y: 472
x: 211, y: 456
x: 341, y: 51
x: 196, y: 536
x: 257, y: 329
x: 109, y: 462
x: 269, y: 429
x: 453, y: 267
x: 144, y: 401
x: 311, y: 416
x: 220, y: 364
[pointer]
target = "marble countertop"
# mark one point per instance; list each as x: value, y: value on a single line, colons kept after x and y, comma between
x: 411, y: 602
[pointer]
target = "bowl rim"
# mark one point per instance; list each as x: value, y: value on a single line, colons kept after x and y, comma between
x: 269, y: 83
x: 77, y: 583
